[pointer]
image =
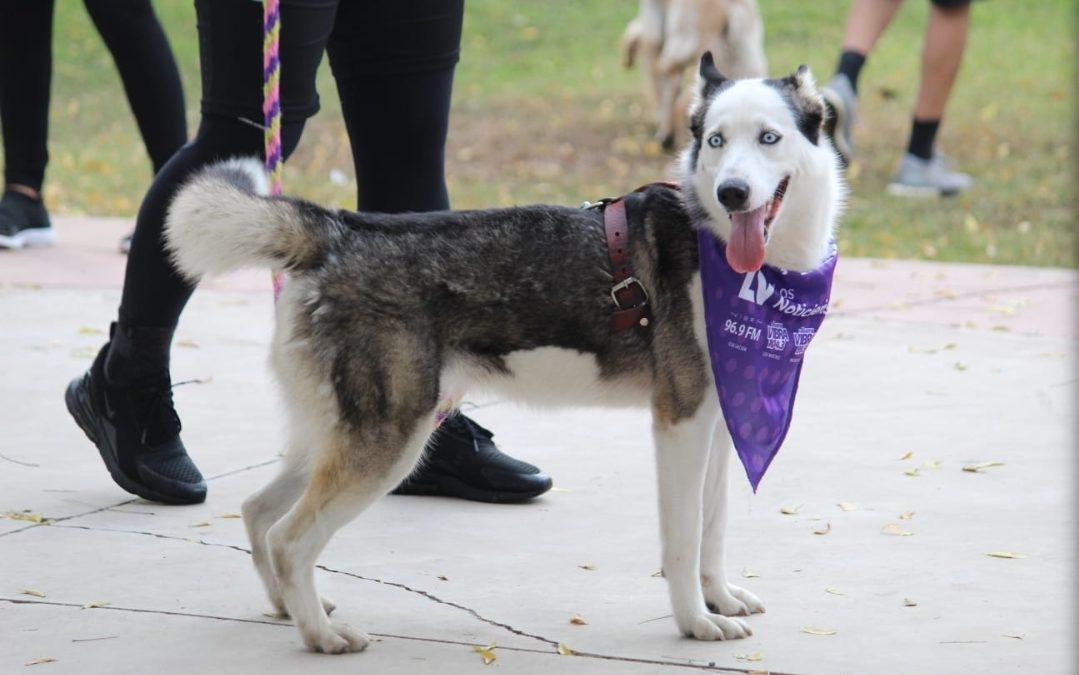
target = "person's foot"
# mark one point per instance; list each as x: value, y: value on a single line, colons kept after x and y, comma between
x: 919, y: 177
x: 125, y: 243
x: 24, y: 221
x: 842, y: 105
x: 463, y: 461
x: 137, y: 431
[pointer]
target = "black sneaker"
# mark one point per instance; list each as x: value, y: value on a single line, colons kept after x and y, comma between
x: 24, y: 222
x: 137, y: 432
x: 462, y: 461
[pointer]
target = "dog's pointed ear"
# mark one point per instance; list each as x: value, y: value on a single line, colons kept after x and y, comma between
x: 709, y: 81
x: 709, y: 75
x: 802, y: 81
x: 808, y: 103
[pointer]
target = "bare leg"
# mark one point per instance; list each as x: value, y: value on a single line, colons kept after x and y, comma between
x: 945, y: 40
x: 866, y: 22
x: 721, y: 596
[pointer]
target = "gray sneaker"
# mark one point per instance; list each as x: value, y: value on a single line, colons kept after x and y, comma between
x: 842, y: 104
x: 934, y: 177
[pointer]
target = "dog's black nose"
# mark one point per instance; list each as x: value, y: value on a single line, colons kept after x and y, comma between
x: 733, y: 194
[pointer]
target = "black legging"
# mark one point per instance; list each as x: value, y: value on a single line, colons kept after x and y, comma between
x: 141, y: 51
x: 393, y: 61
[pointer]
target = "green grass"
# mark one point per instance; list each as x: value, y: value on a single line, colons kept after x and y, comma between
x: 544, y: 112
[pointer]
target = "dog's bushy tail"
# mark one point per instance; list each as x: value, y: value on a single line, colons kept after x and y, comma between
x: 221, y: 220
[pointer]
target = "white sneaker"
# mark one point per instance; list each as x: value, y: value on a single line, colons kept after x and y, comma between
x: 933, y: 177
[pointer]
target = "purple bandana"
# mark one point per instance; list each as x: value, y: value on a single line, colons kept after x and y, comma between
x: 759, y: 325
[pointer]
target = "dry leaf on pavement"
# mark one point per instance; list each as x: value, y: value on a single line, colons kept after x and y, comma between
x: 564, y: 650
x: 488, y: 653
x: 1006, y: 554
x: 818, y: 631
x: 847, y: 506
x: 790, y: 510
x: 895, y: 530
x: 578, y: 620
x: 823, y: 530
x: 34, y: 592
x: 978, y: 468
x: 41, y: 659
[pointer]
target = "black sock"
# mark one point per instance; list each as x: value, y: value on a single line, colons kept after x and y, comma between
x: 850, y: 64
x: 137, y: 354
x: 923, y: 134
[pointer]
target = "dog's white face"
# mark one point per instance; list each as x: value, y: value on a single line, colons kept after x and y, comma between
x: 753, y: 141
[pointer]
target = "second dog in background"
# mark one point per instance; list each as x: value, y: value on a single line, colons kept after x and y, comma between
x: 669, y: 36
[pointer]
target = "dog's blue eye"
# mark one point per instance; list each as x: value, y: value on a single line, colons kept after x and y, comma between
x: 770, y: 138
x: 715, y: 140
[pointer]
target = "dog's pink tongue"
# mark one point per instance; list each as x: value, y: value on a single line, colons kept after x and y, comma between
x: 745, y: 250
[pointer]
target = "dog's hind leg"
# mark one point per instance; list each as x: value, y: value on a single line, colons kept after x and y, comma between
x: 264, y: 508
x: 348, y: 476
x: 682, y: 450
x: 721, y: 596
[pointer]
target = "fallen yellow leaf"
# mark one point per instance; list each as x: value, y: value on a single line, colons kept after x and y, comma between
x: 578, y: 620
x: 564, y: 650
x: 978, y: 468
x: 190, y: 344
x: 906, y: 515
x: 834, y: 591
x: 895, y: 530
x: 202, y: 524
x: 790, y: 510
x: 960, y: 366
x: 823, y: 530
x: 932, y: 464
x: 1006, y: 554
x: 95, y: 603
x: 230, y: 514
x: 34, y: 592
x: 755, y: 656
x: 587, y: 566
x: 911, y: 472
x: 907, y: 602
x: 40, y: 660
x: 25, y: 515
x: 748, y: 574
x: 907, y: 455
x: 488, y: 653
x: 1014, y: 636
x: 443, y: 577
x: 88, y: 330
x: 847, y: 506
x: 818, y: 631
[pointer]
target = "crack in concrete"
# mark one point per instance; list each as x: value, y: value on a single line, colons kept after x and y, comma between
x: 710, y: 667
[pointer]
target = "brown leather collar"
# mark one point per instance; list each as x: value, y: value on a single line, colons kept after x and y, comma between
x: 632, y: 309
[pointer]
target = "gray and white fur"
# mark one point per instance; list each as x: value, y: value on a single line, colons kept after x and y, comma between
x: 383, y: 316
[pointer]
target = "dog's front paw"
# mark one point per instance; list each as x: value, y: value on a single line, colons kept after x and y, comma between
x: 706, y: 626
x: 340, y: 639
x: 731, y: 600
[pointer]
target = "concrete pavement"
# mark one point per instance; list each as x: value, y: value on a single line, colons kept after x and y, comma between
x: 868, y: 541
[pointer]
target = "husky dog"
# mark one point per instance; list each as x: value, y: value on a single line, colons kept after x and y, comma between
x: 668, y: 36
x: 383, y: 316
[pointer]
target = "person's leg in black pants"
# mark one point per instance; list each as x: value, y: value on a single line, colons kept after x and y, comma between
x: 148, y: 70
x: 124, y: 402
x: 393, y: 62
x: 25, y: 77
